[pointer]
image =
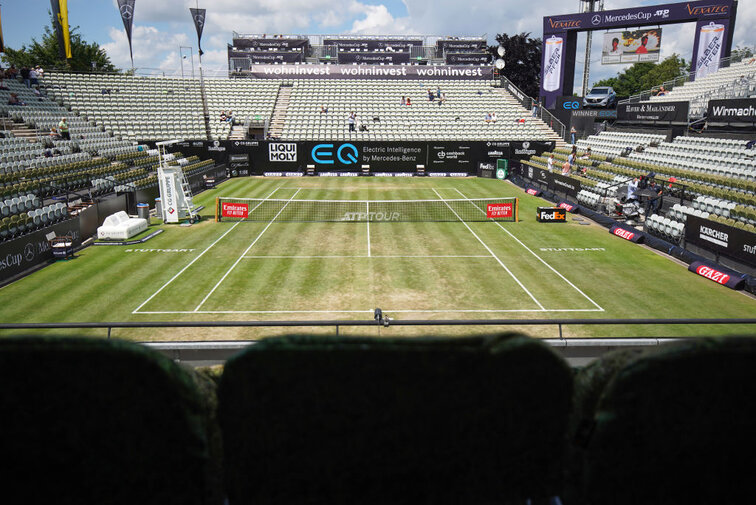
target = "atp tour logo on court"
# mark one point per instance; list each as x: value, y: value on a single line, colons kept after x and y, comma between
x: 371, y: 216
x: 499, y: 210
x: 234, y: 210
x: 281, y: 151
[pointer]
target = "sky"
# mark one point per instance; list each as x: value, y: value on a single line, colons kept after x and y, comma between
x: 162, y: 26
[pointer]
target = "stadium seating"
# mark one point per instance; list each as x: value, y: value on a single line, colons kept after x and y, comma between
x: 735, y: 81
x: 672, y: 425
x: 402, y: 421
x: 100, y: 421
x: 142, y: 108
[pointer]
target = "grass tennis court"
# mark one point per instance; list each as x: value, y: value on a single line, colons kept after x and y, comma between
x: 343, y: 270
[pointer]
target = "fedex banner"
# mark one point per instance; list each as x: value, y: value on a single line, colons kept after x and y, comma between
x: 382, y: 72
x: 718, y: 274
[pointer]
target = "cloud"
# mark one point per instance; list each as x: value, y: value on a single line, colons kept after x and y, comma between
x: 151, y: 46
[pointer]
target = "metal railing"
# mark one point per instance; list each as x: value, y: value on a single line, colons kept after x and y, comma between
x: 382, y: 322
x: 687, y: 77
x: 542, y: 113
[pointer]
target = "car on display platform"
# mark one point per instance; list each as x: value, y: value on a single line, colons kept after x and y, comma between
x: 601, y: 96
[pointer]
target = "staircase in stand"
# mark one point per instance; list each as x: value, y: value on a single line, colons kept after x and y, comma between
x: 528, y: 116
x: 280, y: 110
x: 20, y: 130
x: 237, y: 133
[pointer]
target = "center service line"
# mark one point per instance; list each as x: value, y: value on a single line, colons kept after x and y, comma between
x: 245, y: 252
x: 136, y: 310
x: 492, y: 254
x: 539, y: 258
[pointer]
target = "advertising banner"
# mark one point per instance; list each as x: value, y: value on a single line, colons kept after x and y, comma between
x: 229, y: 209
x: 267, y: 44
x: 499, y: 210
x: 631, y: 46
x: 459, y: 46
x: 454, y: 156
x: 521, y: 97
x: 553, y: 182
x: 27, y: 251
x: 710, y: 38
x: 628, y: 234
x: 380, y: 58
x: 718, y: 274
x: 551, y: 215
x: 399, y: 45
x: 739, y: 110
x: 269, y: 57
x: 671, y: 112
x: 717, y: 237
x: 382, y: 72
x: 468, y: 59
x: 552, y: 63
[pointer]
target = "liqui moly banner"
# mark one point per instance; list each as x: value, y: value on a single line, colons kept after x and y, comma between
x: 552, y: 63
x: 632, y: 235
x: 718, y: 274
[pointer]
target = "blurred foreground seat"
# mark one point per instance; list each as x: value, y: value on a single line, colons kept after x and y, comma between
x: 87, y: 421
x: 394, y: 421
x: 674, y: 425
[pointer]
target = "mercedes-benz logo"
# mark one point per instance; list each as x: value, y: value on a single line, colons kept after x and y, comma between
x: 29, y: 252
x: 200, y: 20
x: 127, y: 11
x: 596, y: 19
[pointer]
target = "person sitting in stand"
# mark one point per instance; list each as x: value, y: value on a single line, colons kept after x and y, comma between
x: 431, y: 96
x: 404, y: 100
x: 63, y: 129
x: 493, y: 117
x: 15, y: 100
x: 223, y: 117
x: 230, y: 117
x: 323, y: 109
x: 487, y: 119
x: 586, y: 155
x: 442, y: 99
x: 409, y: 102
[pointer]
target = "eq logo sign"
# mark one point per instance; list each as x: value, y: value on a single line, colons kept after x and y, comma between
x: 324, y: 154
x: 572, y: 105
x: 280, y: 151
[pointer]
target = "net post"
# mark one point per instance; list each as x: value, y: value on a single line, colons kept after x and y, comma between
x: 517, y: 210
x: 217, y: 217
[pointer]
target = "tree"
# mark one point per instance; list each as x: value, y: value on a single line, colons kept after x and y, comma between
x: 522, y: 61
x: 644, y: 76
x: 46, y: 54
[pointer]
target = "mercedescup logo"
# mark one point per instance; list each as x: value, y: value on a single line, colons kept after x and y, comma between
x: 713, y: 236
x: 279, y: 151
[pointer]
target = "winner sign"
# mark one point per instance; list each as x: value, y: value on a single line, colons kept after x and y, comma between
x: 240, y: 210
x: 499, y: 210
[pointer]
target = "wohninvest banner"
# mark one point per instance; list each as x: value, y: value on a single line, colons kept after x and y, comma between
x: 383, y: 72
x: 126, y: 7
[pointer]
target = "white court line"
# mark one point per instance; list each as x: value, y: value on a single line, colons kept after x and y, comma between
x: 244, y: 253
x: 136, y: 310
x: 368, y: 225
x: 492, y: 254
x: 373, y: 256
x: 364, y: 311
x: 598, y: 307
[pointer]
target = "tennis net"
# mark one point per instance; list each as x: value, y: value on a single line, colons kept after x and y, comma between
x: 281, y: 210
